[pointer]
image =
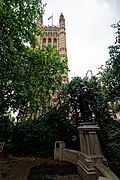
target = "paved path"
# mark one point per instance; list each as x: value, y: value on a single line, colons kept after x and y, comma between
x: 52, y: 170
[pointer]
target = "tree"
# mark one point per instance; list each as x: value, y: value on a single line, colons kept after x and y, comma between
x: 110, y: 75
x: 44, y: 76
x: 27, y: 73
x: 109, y: 78
x: 43, y: 133
x: 70, y: 97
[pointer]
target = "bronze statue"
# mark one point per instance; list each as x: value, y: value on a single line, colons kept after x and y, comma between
x: 86, y: 113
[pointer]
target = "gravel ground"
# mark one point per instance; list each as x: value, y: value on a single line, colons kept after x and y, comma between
x: 30, y: 168
x: 17, y: 168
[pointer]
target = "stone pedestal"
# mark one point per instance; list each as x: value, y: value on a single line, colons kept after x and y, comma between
x: 90, y: 151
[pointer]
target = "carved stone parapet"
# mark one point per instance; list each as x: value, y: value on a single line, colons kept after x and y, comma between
x: 58, y: 153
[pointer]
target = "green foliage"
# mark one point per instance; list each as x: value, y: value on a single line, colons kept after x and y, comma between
x: 109, y: 78
x: 58, y: 126
x: 38, y: 137
x: 70, y: 94
x: 6, y: 128
x: 28, y: 138
x: 110, y: 75
x: 69, y: 97
x: 112, y: 147
x: 17, y: 27
x: 27, y: 73
x: 42, y: 74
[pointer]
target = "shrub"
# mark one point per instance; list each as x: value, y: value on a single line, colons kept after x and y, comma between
x: 6, y: 128
x: 37, y: 137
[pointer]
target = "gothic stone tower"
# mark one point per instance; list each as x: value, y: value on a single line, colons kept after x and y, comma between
x: 55, y: 36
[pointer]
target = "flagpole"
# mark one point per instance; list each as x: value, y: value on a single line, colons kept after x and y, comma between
x: 52, y: 19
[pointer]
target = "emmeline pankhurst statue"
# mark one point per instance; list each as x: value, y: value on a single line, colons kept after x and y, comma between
x: 86, y: 113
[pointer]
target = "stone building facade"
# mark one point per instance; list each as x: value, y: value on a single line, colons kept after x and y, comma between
x: 55, y: 36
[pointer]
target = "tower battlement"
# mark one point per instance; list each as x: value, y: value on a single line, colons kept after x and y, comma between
x: 50, y: 28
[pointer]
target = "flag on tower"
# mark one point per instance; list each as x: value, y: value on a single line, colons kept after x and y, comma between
x: 50, y: 17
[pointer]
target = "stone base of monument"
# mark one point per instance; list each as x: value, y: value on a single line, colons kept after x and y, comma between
x: 90, y: 153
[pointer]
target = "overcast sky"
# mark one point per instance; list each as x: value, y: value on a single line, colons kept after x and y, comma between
x: 88, y: 31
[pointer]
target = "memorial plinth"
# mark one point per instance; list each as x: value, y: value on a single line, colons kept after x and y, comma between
x: 90, y: 153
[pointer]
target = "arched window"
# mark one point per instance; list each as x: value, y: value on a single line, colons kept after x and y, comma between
x: 49, y: 41
x: 55, y: 42
x: 44, y: 42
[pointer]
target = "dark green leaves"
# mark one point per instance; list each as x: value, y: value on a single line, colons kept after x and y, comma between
x: 110, y: 75
x: 27, y: 73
